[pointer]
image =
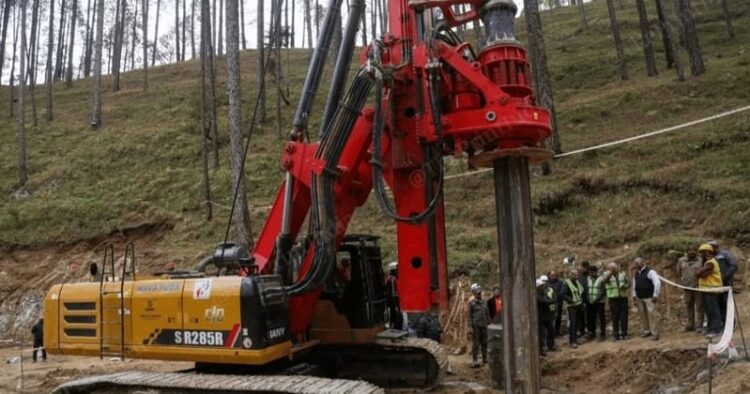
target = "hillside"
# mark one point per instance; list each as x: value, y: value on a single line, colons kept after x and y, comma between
x: 139, y: 177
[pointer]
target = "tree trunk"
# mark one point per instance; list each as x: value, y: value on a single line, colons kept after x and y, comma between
x: 144, y: 44
x: 177, y: 30
x: 6, y: 16
x: 87, y: 39
x: 261, y: 70
x: 648, y: 46
x: 213, y: 32
x: 205, y: 47
x: 16, y: 18
x: 60, y: 36
x: 364, y: 28
x: 242, y: 24
x: 210, y: 33
x: 308, y: 20
x: 156, y: 33
x: 71, y: 45
x: 117, y: 53
x: 132, y: 35
x: 582, y: 15
x: 291, y: 33
x: 23, y: 171
x: 96, y: 113
x: 50, y: 49
x: 374, y: 19
x: 666, y: 37
x: 184, y: 18
x: 317, y: 18
x: 539, y: 71
x: 690, y: 34
x: 276, y: 31
x: 622, y: 66
x: 192, y: 29
x: 673, y: 60
x: 727, y: 18
x: 220, y: 32
x: 241, y: 215
x: 32, y: 66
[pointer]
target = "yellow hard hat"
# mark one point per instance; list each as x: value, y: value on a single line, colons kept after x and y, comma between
x: 706, y: 248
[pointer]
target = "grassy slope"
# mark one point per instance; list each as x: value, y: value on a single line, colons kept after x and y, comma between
x: 143, y: 167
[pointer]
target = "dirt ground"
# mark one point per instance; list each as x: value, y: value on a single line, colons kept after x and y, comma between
x: 675, y: 364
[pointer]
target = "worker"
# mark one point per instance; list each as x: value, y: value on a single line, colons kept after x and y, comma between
x: 709, y: 277
x: 546, y: 303
x: 596, y: 308
x: 583, y: 274
x: 395, y: 318
x: 428, y: 326
x: 170, y: 267
x: 728, y: 266
x: 646, y: 288
x: 687, y: 269
x: 556, y: 285
x: 38, y: 332
x: 495, y: 304
x: 616, y: 286
x: 479, y: 318
x: 572, y: 293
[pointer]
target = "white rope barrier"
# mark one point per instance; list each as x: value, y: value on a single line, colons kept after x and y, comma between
x: 725, y: 342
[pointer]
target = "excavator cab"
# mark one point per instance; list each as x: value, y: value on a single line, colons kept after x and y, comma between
x: 356, y: 288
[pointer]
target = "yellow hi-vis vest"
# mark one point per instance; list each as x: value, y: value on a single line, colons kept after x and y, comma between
x: 575, y: 292
x: 617, y: 285
x: 713, y: 279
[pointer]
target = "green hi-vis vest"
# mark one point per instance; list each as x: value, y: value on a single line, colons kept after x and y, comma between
x: 575, y: 292
x: 594, y: 289
x: 551, y: 296
x: 617, y: 285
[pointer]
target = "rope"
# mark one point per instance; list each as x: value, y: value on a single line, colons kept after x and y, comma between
x: 621, y: 141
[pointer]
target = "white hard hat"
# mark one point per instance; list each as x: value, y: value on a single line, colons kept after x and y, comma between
x: 393, y: 266
x: 568, y: 260
x: 544, y: 278
x: 475, y: 288
x: 540, y: 282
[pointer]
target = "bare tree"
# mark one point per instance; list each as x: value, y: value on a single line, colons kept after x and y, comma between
x: 50, y: 49
x: 261, y: 70
x: 727, y: 17
x: 184, y: 19
x: 60, y: 45
x: 96, y: 113
x: 673, y: 60
x: 12, y: 100
x: 144, y: 22
x: 117, y: 50
x: 539, y: 70
x: 690, y: 37
x: 241, y: 215
x: 71, y: 45
x: 308, y: 21
x: 584, y: 23
x: 87, y: 41
x: 156, y: 33
x: 6, y: 15
x: 622, y: 66
x: 23, y: 170
x: 648, y: 46
x: 177, y: 30
x: 220, y: 30
x: 32, y: 62
x: 242, y: 24
x: 133, y: 35
x: 192, y: 28
x: 364, y: 28
x: 205, y: 46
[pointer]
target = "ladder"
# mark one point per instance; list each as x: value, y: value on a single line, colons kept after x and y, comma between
x: 112, y: 302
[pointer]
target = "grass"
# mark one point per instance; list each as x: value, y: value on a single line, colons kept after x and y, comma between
x: 143, y: 166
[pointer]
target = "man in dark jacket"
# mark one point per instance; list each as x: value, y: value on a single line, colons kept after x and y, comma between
x: 479, y: 318
x: 396, y: 320
x: 38, y: 332
x: 428, y: 326
x: 728, y: 266
x: 556, y: 285
x: 546, y: 303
